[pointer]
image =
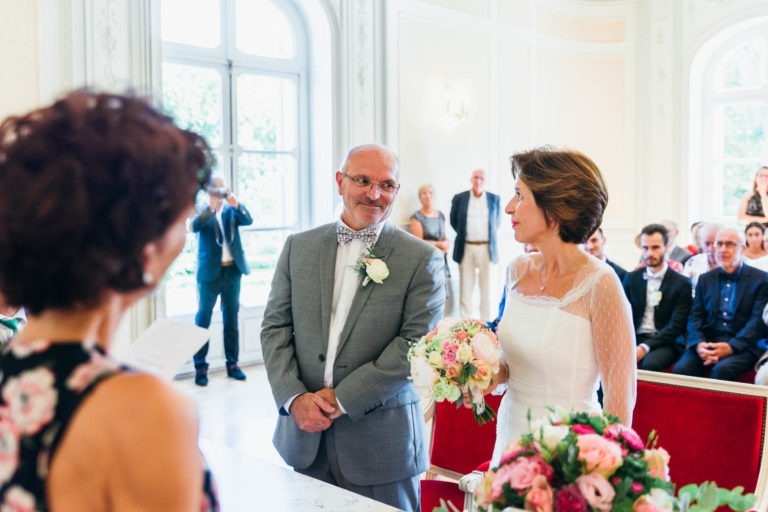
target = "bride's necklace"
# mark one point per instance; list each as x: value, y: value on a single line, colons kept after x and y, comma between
x: 541, y: 279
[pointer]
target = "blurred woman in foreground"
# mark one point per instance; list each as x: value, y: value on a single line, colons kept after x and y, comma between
x: 94, y: 193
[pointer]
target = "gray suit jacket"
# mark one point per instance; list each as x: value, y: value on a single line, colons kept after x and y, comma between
x: 381, y: 439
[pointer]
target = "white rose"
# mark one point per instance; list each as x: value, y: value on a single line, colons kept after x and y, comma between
x: 376, y: 270
x: 436, y: 360
x: 423, y: 374
x: 445, y: 325
x: 655, y: 299
x: 551, y: 435
x: 464, y: 354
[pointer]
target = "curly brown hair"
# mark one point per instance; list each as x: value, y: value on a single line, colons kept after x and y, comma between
x: 85, y: 184
x: 567, y: 186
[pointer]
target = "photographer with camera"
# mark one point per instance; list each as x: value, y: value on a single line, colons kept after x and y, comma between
x: 220, y: 265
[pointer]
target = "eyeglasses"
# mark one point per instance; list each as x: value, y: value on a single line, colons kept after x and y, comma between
x: 727, y: 244
x: 386, y: 188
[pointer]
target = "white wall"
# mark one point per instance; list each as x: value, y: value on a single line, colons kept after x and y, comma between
x: 18, y: 57
x: 609, y: 77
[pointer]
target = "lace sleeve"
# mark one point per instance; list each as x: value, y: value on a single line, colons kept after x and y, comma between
x: 613, y: 335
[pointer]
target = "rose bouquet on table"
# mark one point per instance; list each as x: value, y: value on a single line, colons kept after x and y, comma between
x: 457, y: 358
x: 579, y: 462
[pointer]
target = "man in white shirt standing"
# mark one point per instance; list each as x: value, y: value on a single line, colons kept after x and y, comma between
x: 475, y: 218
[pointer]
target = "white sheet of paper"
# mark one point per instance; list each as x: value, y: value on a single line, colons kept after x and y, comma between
x: 165, y: 346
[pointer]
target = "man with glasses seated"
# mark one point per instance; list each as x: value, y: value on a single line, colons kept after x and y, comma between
x: 725, y: 326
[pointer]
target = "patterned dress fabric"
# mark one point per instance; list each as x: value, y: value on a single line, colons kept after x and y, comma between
x: 42, y: 385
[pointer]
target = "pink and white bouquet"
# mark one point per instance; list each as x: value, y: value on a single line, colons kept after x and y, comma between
x: 457, y: 358
x: 573, y: 462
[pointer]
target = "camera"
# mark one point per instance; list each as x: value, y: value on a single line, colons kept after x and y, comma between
x: 218, y: 192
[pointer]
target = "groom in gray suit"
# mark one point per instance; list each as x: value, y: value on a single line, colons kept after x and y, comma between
x: 335, y: 341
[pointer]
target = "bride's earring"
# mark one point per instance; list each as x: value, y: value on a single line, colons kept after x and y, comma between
x: 147, y: 278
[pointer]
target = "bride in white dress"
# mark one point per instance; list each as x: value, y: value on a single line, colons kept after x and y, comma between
x: 567, y: 325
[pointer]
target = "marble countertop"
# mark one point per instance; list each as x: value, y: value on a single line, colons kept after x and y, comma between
x: 254, y: 484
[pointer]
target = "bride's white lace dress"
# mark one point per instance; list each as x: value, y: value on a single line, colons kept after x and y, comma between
x: 559, y: 349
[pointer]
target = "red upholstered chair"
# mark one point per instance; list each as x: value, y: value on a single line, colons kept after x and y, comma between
x: 713, y: 430
x: 458, y: 446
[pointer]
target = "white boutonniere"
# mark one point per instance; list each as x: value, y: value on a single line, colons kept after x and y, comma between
x: 655, y: 298
x: 371, y: 267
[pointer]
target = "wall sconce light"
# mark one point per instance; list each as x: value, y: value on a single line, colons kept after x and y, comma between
x: 455, y: 103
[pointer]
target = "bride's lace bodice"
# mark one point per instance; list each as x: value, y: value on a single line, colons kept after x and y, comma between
x: 558, y: 349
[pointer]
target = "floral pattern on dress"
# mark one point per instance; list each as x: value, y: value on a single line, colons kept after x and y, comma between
x: 18, y: 500
x: 42, y: 385
x: 31, y: 399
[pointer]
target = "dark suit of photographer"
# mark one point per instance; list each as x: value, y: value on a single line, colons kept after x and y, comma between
x: 220, y: 265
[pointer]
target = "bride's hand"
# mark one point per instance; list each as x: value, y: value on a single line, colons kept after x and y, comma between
x: 500, y: 378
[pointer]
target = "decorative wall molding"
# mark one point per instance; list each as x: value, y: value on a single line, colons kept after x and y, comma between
x: 109, y: 42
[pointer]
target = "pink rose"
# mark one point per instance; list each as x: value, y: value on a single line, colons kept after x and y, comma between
x: 452, y: 370
x: 521, y: 472
x: 658, y: 463
x: 449, y: 357
x: 539, y: 498
x: 9, y: 449
x: 511, y: 452
x: 632, y: 439
x: 597, y: 491
x: 31, y: 399
x: 618, y: 432
x: 599, y: 455
x: 486, y: 349
x: 486, y: 491
x: 482, y: 375
x: 582, y: 429
x: 462, y: 335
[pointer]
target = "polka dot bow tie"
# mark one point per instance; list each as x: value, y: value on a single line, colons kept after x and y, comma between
x: 367, y: 235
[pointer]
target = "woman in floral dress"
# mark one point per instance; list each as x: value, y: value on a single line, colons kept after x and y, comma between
x: 94, y: 193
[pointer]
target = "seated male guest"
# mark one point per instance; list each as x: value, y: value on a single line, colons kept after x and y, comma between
x: 595, y: 245
x: 660, y: 300
x: 725, y: 324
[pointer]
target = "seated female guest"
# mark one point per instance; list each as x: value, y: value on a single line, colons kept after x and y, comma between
x: 754, y: 253
x: 754, y: 204
x: 94, y: 193
x: 567, y: 324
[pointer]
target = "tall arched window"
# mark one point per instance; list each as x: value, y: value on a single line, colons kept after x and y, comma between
x: 237, y: 71
x: 729, y: 119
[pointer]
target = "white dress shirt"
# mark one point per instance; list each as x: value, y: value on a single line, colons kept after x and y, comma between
x: 477, y: 218
x: 653, y: 283
x: 346, y: 282
x: 226, y: 254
